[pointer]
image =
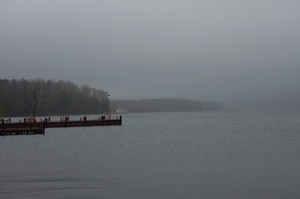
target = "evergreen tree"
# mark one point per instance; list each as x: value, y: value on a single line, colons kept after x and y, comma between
x: 1, y: 111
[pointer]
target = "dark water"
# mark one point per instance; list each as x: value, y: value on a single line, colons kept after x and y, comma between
x: 159, y: 155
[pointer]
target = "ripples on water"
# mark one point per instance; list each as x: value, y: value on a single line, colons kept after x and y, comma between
x: 158, y: 155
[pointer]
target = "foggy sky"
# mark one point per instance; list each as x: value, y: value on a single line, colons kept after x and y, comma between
x: 243, y: 54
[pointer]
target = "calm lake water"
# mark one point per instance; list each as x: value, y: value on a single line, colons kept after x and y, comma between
x: 159, y: 155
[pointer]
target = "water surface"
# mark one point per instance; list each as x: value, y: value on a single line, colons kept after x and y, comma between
x: 159, y: 155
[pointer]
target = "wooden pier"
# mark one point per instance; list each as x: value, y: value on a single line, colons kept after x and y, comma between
x: 22, y: 131
x: 29, y: 127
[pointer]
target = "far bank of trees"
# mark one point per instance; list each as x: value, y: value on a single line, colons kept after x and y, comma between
x: 164, y: 105
x: 67, y: 98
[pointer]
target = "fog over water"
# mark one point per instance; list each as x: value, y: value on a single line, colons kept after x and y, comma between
x: 243, y: 54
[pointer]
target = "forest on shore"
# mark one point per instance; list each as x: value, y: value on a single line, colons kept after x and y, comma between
x: 164, y: 105
x: 66, y: 98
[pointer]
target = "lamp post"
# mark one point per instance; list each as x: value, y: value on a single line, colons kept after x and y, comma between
x: 34, y: 103
x: 107, y: 95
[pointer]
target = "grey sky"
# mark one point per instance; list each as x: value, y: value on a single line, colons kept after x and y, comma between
x: 244, y: 54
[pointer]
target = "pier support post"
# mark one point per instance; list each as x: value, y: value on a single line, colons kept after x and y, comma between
x: 45, y: 123
x: 3, y: 125
x: 84, y: 120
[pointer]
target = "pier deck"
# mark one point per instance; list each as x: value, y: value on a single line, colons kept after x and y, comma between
x: 22, y: 131
x: 33, y: 127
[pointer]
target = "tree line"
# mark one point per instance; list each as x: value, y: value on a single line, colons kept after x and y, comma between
x: 165, y: 105
x: 66, y: 98
x: 52, y: 97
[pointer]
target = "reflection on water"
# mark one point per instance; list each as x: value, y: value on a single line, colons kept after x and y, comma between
x: 162, y: 155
